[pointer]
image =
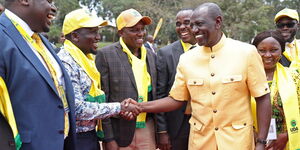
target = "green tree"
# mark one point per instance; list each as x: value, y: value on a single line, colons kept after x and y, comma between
x: 63, y: 7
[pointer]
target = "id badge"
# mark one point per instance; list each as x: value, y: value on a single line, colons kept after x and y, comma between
x: 272, y: 135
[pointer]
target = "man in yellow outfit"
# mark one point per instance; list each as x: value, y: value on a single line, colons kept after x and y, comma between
x: 287, y: 23
x: 218, y: 78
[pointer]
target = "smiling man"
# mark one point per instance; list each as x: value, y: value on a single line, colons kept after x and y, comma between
x: 218, y: 78
x: 80, y: 29
x: 40, y: 90
x: 287, y: 23
x: 128, y: 71
x: 173, y: 130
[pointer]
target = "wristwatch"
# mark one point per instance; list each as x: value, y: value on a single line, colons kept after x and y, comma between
x: 261, y: 141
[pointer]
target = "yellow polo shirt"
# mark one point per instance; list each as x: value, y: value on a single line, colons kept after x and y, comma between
x: 219, y: 83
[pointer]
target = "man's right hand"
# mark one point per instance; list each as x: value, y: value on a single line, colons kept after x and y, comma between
x: 112, y: 145
x: 163, y: 141
x: 129, y: 109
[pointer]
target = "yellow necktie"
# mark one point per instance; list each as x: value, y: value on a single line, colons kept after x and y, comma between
x: 41, y: 50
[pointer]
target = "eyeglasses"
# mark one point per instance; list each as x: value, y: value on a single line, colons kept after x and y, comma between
x: 288, y: 25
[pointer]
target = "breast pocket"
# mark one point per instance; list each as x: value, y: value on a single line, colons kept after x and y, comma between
x: 231, y: 85
x: 232, y: 79
x: 196, y: 88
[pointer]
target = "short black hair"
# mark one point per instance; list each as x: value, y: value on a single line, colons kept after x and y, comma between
x: 270, y: 33
x: 213, y: 9
x: 184, y: 10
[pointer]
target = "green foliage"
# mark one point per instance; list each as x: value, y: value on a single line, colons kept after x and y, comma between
x: 63, y: 7
x: 242, y: 18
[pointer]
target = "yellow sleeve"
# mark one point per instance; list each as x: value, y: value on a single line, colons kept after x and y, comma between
x: 256, y: 76
x: 179, y: 90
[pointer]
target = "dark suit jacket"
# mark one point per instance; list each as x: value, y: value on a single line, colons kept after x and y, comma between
x: 6, y: 135
x: 118, y: 83
x: 167, y: 61
x: 37, y: 106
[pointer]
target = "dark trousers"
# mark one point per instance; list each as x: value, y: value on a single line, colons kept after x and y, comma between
x: 87, y: 141
x: 181, y: 141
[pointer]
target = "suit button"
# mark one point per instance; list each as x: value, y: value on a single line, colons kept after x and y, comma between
x: 212, y: 74
x: 212, y: 56
x: 215, y: 111
x: 216, y: 128
x: 61, y: 132
x: 60, y: 106
x: 213, y: 93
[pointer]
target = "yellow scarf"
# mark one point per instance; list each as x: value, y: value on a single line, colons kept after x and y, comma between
x: 87, y: 62
x: 142, y: 79
x: 288, y: 93
x: 7, y: 111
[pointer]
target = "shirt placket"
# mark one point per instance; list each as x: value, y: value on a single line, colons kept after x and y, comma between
x: 213, y: 76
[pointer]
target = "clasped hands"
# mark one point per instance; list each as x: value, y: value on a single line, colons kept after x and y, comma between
x: 130, y: 109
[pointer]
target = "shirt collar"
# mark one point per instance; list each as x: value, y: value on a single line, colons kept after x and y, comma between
x: 21, y: 22
x: 186, y: 46
x: 290, y: 45
x: 216, y: 47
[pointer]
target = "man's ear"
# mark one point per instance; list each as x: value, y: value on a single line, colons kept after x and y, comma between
x: 74, y: 36
x: 120, y: 33
x: 24, y: 2
x: 219, y: 21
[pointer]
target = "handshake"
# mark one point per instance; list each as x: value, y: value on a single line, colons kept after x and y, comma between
x: 130, y: 109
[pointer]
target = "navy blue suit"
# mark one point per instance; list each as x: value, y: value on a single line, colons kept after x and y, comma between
x: 36, y: 104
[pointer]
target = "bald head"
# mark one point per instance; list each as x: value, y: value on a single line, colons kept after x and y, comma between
x: 212, y: 9
x: 206, y: 23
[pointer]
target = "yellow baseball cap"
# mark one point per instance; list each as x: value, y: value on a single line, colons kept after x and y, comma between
x: 131, y: 17
x: 81, y: 18
x: 286, y: 12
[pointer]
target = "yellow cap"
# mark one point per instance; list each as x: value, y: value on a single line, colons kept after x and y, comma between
x: 131, y: 17
x: 81, y: 18
x: 286, y: 12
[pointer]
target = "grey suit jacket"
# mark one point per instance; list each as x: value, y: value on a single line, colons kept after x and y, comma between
x: 167, y: 61
x: 118, y: 83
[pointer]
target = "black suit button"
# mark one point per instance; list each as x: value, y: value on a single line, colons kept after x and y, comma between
x: 11, y: 143
x: 60, y: 106
x: 61, y: 132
